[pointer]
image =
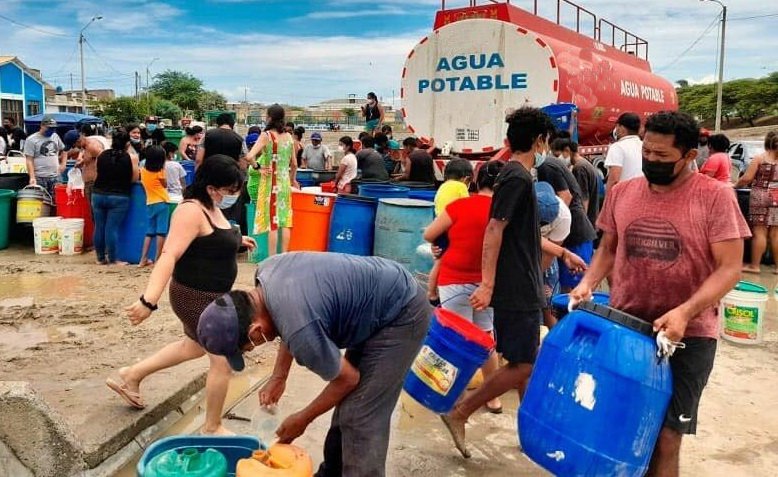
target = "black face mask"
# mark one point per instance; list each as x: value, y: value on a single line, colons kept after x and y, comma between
x: 660, y: 173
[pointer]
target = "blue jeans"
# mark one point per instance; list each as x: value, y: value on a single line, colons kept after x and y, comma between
x: 109, y: 212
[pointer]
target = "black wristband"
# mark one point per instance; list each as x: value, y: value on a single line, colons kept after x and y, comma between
x: 147, y: 304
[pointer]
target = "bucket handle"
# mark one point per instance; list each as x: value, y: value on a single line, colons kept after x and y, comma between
x: 36, y: 186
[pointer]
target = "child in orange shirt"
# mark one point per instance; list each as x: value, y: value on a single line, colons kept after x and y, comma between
x: 152, y: 176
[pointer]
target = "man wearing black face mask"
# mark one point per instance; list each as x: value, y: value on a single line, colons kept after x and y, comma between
x: 672, y: 244
x: 46, y: 156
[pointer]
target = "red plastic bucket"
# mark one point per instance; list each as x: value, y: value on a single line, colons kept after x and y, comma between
x: 75, y: 206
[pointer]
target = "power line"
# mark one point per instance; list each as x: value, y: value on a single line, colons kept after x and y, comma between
x: 30, y: 27
x: 694, y: 43
x: 104, y: 61
x: 753, y: 17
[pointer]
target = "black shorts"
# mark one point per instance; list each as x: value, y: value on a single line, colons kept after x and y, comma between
x: 691, y: 367
x: 517, y: 334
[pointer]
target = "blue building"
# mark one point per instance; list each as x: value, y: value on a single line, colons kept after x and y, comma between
x: 22, y: 91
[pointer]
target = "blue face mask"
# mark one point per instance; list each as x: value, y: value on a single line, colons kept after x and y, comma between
x: 151, y: 128
x: 49, y: 132
x: 228, y: 201
x: 539, y: 159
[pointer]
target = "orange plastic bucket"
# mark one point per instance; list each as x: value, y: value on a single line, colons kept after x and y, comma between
x: 311, y: 221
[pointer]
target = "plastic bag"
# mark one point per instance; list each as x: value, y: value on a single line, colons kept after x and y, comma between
x: 75, y: 180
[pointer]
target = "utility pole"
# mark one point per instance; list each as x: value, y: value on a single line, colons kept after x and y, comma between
x: 71, y: 82
x: 720, y: 92
x: 246, y: 94
x: 81, y: 51
x: 148, y: 76
x: 137, y: 80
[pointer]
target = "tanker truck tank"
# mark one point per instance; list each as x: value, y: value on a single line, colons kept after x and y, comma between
x: 459, y: 82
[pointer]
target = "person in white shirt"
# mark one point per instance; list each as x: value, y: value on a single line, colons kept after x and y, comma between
x: 625, y: 157
x: 316, y: 156
x: 347, y: 171
x: 556, y: 228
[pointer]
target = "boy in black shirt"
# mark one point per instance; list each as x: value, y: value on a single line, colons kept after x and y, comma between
x: 512, y: 281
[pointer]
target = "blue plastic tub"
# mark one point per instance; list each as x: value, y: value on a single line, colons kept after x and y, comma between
x: 352, y: 227
x: 428, y: 195
x: 234, y: 448
x: 305, y: 175
x: 452, y: 352
x: 559, y: 302
x: 383, y: 191
x: 133, y: 230
x: 189, y: 167
x: 306, y: 182
x: 399, y: 226
x: 597, y: 397
x: 562, y: 115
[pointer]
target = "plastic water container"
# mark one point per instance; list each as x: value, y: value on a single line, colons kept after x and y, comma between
x: 428, y: 195
x: 46, y: 235
x: 452, y: 352
x: 742, y: 313
x: 75, y: 206
x: 71, y: 236
x: 188, y: 463
x: 559, y: 302
x: 383, y: 191
x: 32, y: 202
x: 561, y: 115
x: 597, y: 397
x: 281, y: 460
x: 305, y: 175
x: 133, y: 230
x: 6, y: 197
x: 233, y: 448
x: 261, y: 252
x: 189, y: 167
x: 311, y: 220
x: 399, y: 227
x: 352, y: 228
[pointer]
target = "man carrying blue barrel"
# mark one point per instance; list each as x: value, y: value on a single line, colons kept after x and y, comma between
x: 672, y: 245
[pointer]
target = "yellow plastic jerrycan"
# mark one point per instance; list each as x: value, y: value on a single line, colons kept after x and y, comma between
x: 281, y: 460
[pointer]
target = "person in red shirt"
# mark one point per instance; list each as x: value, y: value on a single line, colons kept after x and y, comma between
x: 672, y: 245
x: 465, y: 221
x: 718, y: 164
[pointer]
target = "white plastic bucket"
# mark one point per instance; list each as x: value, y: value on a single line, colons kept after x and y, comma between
x: 742, y: 313
x: 71, y: 236
x: 46, y: 235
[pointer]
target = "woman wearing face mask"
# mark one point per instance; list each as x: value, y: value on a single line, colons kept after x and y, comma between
x: 373, y: 113
x: 277, y: 168
x: 135, y: 146
x: 347, y: 171
x: 200, y: 255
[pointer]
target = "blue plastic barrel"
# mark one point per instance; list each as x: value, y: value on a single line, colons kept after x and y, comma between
x: 233, y: 448
x: 452, y: 352
x: 352, y: 226
x: 306, y: 182
x: 597, y: 397
x: 559, y: 302
x: 305, y: 175
x: 133, y: 229
x: 428, y: 195
x: 562, y: 114
x: 383, y: 191
x: 399, y: 226
x: 189, y: 167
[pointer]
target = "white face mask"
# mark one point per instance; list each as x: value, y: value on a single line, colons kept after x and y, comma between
x: 616, y: 134
x: 342, y: 149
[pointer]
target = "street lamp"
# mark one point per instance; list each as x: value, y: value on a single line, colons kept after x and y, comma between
x: 147, y: 73
x: 721, y: 63
x: 81, y: 50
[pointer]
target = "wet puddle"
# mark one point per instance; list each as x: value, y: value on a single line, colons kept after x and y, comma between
x: 15, y: 340
x: 24, y: 284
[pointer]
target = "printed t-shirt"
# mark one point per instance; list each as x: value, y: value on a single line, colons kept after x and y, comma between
x: 324, y: 302
x: 664, y: 254
x: 461, y: 264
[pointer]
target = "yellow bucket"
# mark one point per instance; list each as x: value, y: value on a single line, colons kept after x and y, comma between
x: 32, y: 202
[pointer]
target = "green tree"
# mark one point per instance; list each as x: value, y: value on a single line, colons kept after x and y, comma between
x: 168, y: 109
x: 349, y: 112
x: 176, y: 85
x: 122, y: 110
x: 210, y: 100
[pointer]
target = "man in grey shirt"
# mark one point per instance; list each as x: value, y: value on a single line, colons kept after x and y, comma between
x: 45, y: 154
x: 318, y: 304
x: 316, y: 155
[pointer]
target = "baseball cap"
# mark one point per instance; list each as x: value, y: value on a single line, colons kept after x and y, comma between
x: 218, y: 331
x: 70, y: 139
x: 48, y: 120
x: 548, y: 205
x: 315, y: 137
x: 252, y: 139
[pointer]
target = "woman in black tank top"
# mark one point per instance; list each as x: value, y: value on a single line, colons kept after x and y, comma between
x: 200, y: 255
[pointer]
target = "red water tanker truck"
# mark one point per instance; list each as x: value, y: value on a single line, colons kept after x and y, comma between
x: 484, y: 59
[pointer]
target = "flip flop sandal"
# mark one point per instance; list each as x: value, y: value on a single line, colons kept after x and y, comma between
x: 132, y: 398
x: 458, y: 441
x: 494, y: 410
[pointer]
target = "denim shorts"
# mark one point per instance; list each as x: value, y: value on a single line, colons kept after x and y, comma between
x: 456, y: 298
x: 159, y: 219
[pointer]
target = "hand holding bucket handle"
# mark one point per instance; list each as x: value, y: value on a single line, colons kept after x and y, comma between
x: 580, y: 293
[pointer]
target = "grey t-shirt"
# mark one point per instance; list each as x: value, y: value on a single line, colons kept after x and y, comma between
x: 45, y: 153
x: 324, y: 302
x: 316, y: 157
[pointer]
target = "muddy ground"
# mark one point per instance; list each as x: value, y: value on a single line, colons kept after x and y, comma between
x: 62, y: 329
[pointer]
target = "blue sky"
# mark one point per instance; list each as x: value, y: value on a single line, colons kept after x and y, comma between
x: 303, y: 52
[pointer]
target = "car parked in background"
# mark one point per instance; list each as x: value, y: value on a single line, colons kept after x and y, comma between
x: 741, y: 153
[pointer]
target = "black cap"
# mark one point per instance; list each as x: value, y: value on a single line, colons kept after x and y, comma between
x: 631, y: 121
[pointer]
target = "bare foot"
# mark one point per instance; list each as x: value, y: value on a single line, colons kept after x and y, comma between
x: 494, y: 406
x: 219, y: 431
x: 456, y: 426
x: 120, y: 264
x: 143, y: 263
x: 751, y: 269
